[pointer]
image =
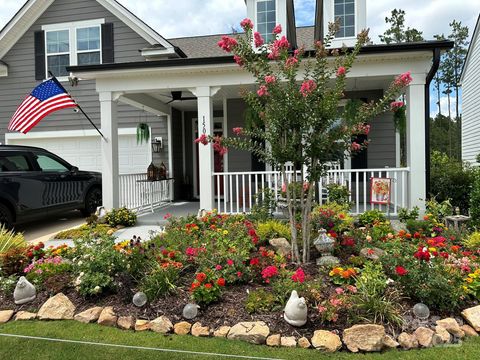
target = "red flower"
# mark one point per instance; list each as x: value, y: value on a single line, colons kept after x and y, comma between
x: 171, y: 254
x: 239, y: 274
x: 341, y: 71
x: 238, y: 60
x: 258, y: 39
x: 401, y: 271
x: 221, y: 282
x: 422, y: 254
x: 237, y: 130
x: 269, y: 271
x: 254, y: 261
x: 246, y: 24
x: 299, y: 276
x: 403, y: 79
x: 201, y: 277
x: 308, y: 87
x: 194, y: 286
x: 277, y: 29
x: 208, y: 286
x: 262, y: 91
x: 227, y: 43
x: 230, y: 262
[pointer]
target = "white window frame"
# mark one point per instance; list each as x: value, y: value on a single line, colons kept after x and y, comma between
x: 256, y: 15
x: 72, y: 30
x: 355, y: 20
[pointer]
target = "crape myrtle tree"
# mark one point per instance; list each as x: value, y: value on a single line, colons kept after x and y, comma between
x: 297, y: 101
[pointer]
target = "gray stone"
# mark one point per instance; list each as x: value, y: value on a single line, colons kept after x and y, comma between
x: 366, y: 338
x: 252, y: 332
x: 161, y: 325
x: 472, y: 316
x: 58, y: 307
x: 452, y: 326
x: 295, y: 310
x: 281, y: 246
x: 107, y: 317
x: 424, y: 336
x: 25, y: 316
x: 407, y: 341
x: 200, y: 331
x: 288, y: 341
x: 326, y: 341
x: 24, y: 291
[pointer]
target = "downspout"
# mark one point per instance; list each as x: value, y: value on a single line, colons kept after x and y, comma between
x: 430, y: 76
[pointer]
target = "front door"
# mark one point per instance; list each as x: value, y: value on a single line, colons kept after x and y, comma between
x: 218, y: 160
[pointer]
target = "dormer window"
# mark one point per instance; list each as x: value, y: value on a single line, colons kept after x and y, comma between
x: 266, y: 18
x: 344, y: 11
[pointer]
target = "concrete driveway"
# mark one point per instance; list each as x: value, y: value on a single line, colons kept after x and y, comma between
x: 45, y: 229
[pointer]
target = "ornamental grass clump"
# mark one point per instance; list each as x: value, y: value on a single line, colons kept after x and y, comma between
x: 296, y: 102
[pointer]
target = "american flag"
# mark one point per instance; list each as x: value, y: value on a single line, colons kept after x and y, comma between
x: 46, y: 98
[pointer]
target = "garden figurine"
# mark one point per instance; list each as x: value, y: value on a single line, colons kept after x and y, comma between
x: 24, y: 291
x: 296, y: 310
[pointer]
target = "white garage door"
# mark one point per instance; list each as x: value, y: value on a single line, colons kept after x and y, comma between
x: 82, y: 148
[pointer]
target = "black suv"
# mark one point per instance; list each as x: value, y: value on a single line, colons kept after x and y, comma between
x: 35, y: 183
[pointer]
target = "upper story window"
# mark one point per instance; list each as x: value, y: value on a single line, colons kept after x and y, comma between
x: 345, y: 12
x: 266, y: 18
x: 72, y: 44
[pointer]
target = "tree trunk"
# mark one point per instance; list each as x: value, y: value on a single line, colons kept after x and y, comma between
x: 439, y: 98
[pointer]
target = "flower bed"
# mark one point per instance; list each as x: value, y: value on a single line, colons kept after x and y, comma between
x: 231, y: 270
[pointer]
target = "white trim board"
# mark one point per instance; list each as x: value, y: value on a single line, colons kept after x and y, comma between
x: 63, y: 134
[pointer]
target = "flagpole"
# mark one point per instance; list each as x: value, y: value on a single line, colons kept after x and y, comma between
x: 78, y: 106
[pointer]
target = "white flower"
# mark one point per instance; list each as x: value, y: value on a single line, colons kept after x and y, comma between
x: 81, y: 274
x: 96, y: 289
x: 389, y: 281
x: 80, y: 263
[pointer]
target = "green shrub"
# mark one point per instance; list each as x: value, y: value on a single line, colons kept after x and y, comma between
x: 371, y: 216
x: 9, y: 240
x: 331, y: 217
x: 339, y: 194
x: 94, y: 230
x: 439, y: 210
x: 405, y: 215
x: 473, y: 241
x: 273, y: 229
x: 475, y: 201
x: 264, y: 205
x: 122, y: 216
x: 160, y: 281
x: 259, y: 301
x: 13, y: 261
x: 374, y: 301
x: 7, y: 284
x: 451, y: 179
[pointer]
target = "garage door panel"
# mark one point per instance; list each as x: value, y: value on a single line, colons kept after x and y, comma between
x: 84, y: 151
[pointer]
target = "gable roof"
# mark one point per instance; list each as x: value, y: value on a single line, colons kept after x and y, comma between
x: 475, y: 35
x: 33, y: 9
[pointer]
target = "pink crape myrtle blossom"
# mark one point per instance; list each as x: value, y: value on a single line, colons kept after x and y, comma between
x: 262, y: 91
x: 277, y: 29
x: 291, y: 62
x: 203, y: 139
x: 237, y: 130
x: 282, y: 43
x: 246, y: 24
x: 270, y: 79
x: 308, y: 86
x: 258, y: 39
x: 227, y: 43
x: 238, y: 60
x: 356, y: 146
x: 404, y: 79
x: 395, y: 105
x: 341, y: 71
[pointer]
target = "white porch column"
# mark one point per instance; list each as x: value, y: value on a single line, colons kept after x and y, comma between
x: 205, y: 152
x: 416, y: 141
x: 109, y: 150
x: 170, y: 153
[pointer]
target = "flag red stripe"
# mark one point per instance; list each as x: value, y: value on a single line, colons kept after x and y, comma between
x: 47, y: 113
x: 34, y: 108
x: 43, y: 111
x: 23, y: 108
x: 25, y: 103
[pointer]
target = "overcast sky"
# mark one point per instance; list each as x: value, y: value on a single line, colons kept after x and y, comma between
x: 177, y: 18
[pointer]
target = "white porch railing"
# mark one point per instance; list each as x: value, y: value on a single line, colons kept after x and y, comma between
x: 236, y: 191
x: 138, y: 194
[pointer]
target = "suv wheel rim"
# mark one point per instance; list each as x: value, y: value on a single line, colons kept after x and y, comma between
x: 94, y: 200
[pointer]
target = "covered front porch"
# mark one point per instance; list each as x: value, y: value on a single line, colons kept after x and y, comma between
x: 210, y: 103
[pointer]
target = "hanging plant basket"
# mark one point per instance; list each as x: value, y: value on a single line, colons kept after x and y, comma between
x: 143, y: 133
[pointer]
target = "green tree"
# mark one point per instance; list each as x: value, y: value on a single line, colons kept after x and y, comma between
x: 437, y: 80
x: 298, y: 104
x: 441, y: 128
x: 397, y: 33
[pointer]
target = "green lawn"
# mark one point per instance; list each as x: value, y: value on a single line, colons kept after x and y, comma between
x: 20, y: 348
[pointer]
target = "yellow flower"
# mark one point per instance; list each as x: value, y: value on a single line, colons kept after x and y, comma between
x: 477, y: 271
x: 225, y: 232
x: 432, y: 249
x: 469, y: 280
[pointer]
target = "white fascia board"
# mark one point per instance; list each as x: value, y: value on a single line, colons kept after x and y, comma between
x: 73, y: 24
x: 152, y: 53
x: 3, y: 70
x: 63, y: 134
x: 132, y: 21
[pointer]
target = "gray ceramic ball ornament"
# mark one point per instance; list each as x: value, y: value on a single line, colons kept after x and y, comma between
x: 190, y: 311
x: 139, y: 299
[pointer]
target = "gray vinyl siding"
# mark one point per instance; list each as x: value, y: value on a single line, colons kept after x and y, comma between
x: 21, y: 74
x: 471, y: 104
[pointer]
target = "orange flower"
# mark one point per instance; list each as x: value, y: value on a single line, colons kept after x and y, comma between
x: 455, y: 248
x: 426, y: 217
x: 201, y: 277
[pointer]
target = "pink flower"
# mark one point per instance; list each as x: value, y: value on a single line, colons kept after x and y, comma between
x: 339, y: 291
x: 341, y: 71
x: 38, y: 271
x: 282, y: 43
x: 227, y: 43
x: 237, y: 130
x: 262, y: 91
x: 269, y: 272
x: 218, y: 267
x: 291, y: 62
x: 246, y: 24
x: 203, y: 139
x: 352, y: 289
x: 308, y: 86
x: 239, y: 274
x: 321, y: 309
x: 238, y: 60
x: 284, y: 188
x: 274, y: 53
x: 270, y: 79
x: 167, y: 216
x: 299, y: 276
x: 230, y: 262
x: 258, y: 39
x: 395, y: 105
x: 403, y: 79
x: 277, y: 29
x: 356, y: 146
x: 335, y: 302
x: 306, y: 186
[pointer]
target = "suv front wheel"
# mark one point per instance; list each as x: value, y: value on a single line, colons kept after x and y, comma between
x: 92, y: 201
x: 6, y: 217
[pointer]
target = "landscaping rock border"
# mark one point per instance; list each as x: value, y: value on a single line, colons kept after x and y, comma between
x: 358, y: 338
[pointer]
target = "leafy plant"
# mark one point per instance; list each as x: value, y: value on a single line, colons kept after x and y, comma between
x: 206, y: 288
x: 332, y: 217
x: 13, y: 261
x: 143, y: 133
x: 82, y: 231
x: 475, y: 201
x: 404, y: 215
x: 264, y: 205
x: 273, y: 229
x: 259, y: 301
x: 9, y: 239
x: 371, y: 216
x: 339, y: 194
x: 159, y: 281
x: 122, y: 216
x: 472, y: 242
x: 7, y: 284
x: 374, y: 301
x: 439, y: 210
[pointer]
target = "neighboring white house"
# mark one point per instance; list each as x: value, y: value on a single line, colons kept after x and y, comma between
x: 188, y: 85
x: 470, y: 82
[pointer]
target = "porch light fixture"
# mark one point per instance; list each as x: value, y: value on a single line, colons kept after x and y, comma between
x: 157, y: 145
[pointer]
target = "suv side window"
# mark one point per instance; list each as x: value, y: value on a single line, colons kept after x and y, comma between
x: 47, y: 163
x: 14, y: 163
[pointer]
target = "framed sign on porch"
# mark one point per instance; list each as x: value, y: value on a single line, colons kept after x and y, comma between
x: 380, y: 190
